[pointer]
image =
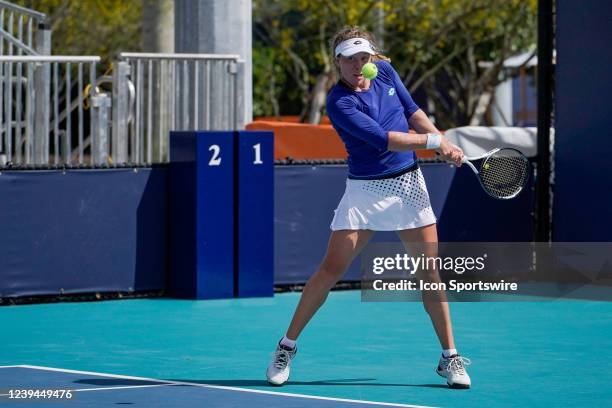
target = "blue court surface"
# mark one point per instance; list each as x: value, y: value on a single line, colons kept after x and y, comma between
x: 178, y: 353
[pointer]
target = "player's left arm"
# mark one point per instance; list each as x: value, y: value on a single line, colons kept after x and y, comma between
x: 421, y: 123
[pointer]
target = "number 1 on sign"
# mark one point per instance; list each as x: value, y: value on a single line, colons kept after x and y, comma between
x: 257, y: 149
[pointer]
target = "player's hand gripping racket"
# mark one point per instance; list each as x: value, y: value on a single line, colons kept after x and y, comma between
x: 503, y: 172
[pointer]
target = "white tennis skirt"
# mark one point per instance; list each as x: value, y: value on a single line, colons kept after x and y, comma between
x: 385, y: 205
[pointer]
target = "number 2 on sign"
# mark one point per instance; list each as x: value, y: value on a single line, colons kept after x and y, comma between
x: 257, y: 149
x: 215, y: 160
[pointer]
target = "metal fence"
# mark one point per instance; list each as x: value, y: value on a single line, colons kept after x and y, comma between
x: 23, y: 31
x: 43, y: 116
x: 172, y: 92
x: 52, y: 111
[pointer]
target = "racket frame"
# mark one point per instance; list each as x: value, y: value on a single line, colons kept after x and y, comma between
x: 467, y: 160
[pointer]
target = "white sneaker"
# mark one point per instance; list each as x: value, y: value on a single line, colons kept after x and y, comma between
x: 279, y: 368
x: 453, y: 369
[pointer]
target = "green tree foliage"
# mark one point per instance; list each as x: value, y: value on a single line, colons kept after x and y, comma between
x: 435, y: 45
x: 91, y: 27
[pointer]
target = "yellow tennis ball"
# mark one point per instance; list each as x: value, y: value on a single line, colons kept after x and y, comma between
x: 369, y: 71
x: 486, y: 166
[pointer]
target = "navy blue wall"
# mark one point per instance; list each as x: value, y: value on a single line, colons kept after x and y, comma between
x: 583, y: 142
x: 82, y: 231
x: 106, y: 230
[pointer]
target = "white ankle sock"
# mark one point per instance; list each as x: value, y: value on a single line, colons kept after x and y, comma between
x: 448, y: 352
x: 288, y: 342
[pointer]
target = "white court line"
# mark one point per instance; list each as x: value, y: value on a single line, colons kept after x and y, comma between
x: 219, y: 387
x: 13, y: 366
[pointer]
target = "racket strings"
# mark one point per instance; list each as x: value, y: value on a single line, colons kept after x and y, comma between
x: 504, y: 174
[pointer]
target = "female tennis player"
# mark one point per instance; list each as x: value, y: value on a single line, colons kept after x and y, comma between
x: 385, y: 190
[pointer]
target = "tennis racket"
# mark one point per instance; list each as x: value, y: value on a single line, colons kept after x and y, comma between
x: 503, y: 173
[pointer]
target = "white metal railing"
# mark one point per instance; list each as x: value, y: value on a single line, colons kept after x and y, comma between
x: 23, y: 31
x: 53, y: 112
x: 172, y: 92
x: 37, y: 123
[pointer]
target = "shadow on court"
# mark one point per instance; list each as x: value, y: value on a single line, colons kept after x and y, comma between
x: 115, y: 382
x: 335, y: 383
x: 107, y: 382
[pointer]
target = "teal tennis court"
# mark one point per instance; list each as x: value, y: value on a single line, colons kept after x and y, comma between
x: 161, y: 352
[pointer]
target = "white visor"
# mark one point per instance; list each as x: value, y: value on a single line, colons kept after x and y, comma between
x: 354, y: 45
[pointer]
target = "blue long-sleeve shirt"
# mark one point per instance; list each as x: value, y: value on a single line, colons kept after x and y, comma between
x: 362, y: 119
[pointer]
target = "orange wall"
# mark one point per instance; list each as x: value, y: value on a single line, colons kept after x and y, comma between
x: 302, y: 141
